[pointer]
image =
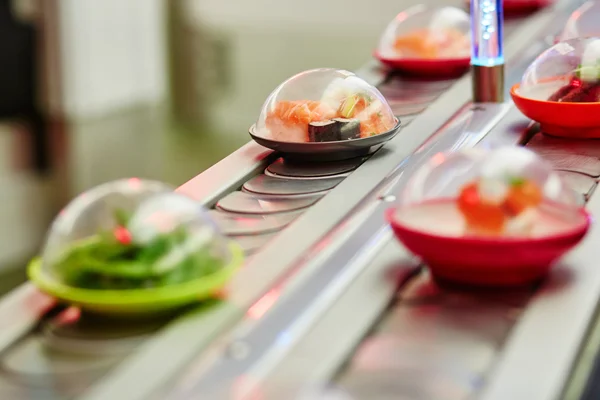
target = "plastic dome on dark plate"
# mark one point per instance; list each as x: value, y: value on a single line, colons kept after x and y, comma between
x: 498, y: 217
x: 324, y: 114
x: 133, y: 246
x: 427, y: 40
x: 561, y: 89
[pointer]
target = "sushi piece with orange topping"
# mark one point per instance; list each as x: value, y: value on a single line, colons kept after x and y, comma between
x: 432, y: 44
x: 356, y: 115
x: 417, y: 44
x: 495, y: 207
x: 289, y: 120
x: 368, y: 111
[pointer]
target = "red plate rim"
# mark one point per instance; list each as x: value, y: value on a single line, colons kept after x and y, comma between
x: 513, y: 93
x: 465, y: 60
x: 521, y: 4
x: 480, y: 240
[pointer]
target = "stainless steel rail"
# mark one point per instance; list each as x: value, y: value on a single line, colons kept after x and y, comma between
x: 261, y: 358
x: 332, y: 223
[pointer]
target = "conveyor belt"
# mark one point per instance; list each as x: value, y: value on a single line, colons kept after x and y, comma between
x: 62, y: 355
x: 270, y: 201
x: 442, y: 343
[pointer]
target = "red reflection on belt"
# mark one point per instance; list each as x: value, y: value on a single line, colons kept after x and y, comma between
x: 263, y: 304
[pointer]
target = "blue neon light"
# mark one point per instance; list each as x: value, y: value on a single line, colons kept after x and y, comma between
x: 486, y: 32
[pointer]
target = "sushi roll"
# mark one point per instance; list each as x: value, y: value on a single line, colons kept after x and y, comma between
x: 323, y: 131
x: 348, y: 128
x: 334, y: 130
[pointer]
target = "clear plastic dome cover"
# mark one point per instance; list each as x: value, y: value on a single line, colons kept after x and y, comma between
x: 131, y: 234
x: 324, y: 105
x: 567, y: 72
x: 427, y: 33
x: 500, y: 191
x: 583, y: 22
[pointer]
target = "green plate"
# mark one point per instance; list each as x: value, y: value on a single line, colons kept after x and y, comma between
x: 137, y: 301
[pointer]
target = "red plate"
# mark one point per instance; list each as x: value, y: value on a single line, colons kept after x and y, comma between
x: 573, y: 120
x: 486, y: 261
x: 429, y: 68
x: 520, y: 7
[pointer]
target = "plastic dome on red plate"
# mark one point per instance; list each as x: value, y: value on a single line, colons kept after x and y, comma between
x: 561, y: 89
x: 583, y: 22
x: 568, y: 72
x: 491, y: 217
x: 429, y: 33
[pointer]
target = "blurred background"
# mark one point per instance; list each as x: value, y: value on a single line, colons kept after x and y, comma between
x: 92, y: 91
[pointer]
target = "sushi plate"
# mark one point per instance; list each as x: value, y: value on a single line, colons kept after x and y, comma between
x: 516, y: 8
x: 327, y: 151
x: 137, y: 302
x: 480, y: 260
x: 563, y: 119
x: 520, y: 7
x: 429, y: 68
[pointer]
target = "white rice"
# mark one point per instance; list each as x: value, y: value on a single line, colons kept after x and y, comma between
x: 282, y: 132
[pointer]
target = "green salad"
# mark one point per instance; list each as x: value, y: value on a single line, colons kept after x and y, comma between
x: 111, y: 260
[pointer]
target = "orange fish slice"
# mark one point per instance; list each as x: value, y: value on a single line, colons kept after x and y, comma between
x: 417, y: 42
x: 521, y: 196
x: 299, y: 112
x: 480, y: 216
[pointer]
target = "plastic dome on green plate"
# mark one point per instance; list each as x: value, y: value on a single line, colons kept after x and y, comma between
x: 134, y: 247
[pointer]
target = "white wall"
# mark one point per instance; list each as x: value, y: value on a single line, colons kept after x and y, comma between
x: 103, y: 55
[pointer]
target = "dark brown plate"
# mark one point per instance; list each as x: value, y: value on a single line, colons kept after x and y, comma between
x: 327, y: 151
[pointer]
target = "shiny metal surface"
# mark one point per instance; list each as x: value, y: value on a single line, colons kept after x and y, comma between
x: 247, y: 203
x: 401, y: 110
x: 574, y: 156
x: 582, y: 184
x: 262, y: 369
x: 449, y: 338
x: 433, y: 343
x: 342, y: 327
x: 80, y: 336
x: 269, y: 185
x: 289, y: 169
x: 29, y: 359
x: 574, y: 162
x: 20, y: 311
x: 233, y: 171
x: 408, y: 87
x: 488, y: 83
x: 250, y: 224
x: 252, y: 243
x: 310, y: 296
x: 557, y: 318
x: 293, y: 257
x: 399, y: 96
x: 545, y: 144
x: 116, y: 378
